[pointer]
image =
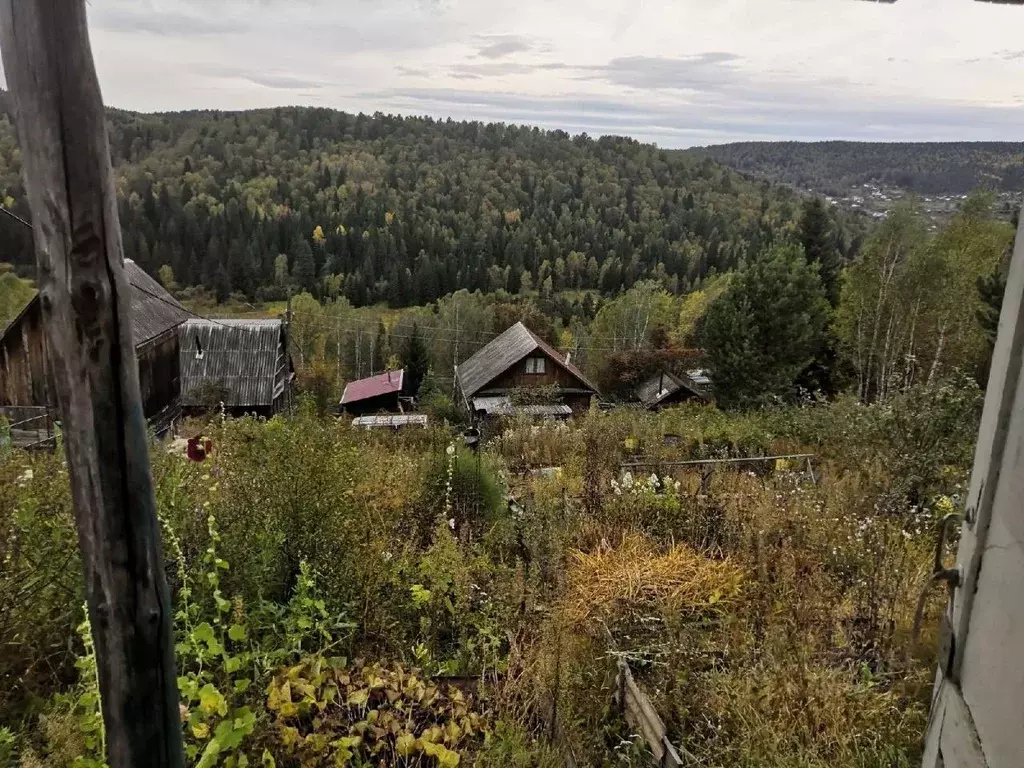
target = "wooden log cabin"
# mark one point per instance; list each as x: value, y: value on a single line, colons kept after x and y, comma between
x: 516, y: 361
x: 24, y: 363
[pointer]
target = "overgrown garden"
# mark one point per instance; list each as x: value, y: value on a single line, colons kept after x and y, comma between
x: 349, y: 598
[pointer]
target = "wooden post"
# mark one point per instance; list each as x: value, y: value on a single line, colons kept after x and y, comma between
x: 86, y: 308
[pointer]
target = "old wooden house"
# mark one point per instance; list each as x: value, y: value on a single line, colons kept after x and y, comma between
x: 664, y: 389
x: 240, y: 365
x: 24, y: 379
x: 518, y: 360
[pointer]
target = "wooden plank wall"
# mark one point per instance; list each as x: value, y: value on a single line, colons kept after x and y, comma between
x: 24, y: 379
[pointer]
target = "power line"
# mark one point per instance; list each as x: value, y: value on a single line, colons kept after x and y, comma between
x: 175, y: 304
x: 367, y: 324
x: 8, y: 212
x: 331, y: 324
x: 459, y: 332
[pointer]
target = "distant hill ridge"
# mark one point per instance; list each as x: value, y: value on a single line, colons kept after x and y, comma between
x: 832, y: 167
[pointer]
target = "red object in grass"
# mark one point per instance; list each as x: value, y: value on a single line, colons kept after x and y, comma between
x: 199, y: 448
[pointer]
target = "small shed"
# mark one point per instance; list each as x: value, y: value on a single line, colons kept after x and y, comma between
x: 243, y: 364
x: 664, y: 389
x: 374, y: 393
x: 517, y: 360
x: 24, y: 376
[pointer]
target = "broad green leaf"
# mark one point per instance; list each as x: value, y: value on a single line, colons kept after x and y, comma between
x: 359, y: 697
x: 211, y: 700
x: 210, y: 754
x: 405, y: 744
x: 203, y: 633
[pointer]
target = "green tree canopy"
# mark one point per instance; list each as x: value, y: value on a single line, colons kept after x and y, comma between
x: 766, y: 328
x: 416, y: 361
x: 818, y: 237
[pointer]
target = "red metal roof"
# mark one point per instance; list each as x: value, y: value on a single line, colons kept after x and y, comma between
x: 381, y: 384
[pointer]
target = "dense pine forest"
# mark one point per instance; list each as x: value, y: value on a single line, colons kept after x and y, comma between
x: 833, y: 167
x: 406, y: 210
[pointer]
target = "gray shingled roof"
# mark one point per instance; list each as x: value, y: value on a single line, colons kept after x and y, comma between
x: 246, y: 358
x: 154, y: 310
x: 504, y: 351
x: 660, y: 386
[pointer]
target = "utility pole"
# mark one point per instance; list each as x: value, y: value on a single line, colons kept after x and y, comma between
x: 86, y: 308
x: 359, y: 344
x: 455, y: 356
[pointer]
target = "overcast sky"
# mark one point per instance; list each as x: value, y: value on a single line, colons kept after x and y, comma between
x: 678, y: 72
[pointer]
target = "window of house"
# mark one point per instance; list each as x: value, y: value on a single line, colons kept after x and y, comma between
x: 535, y: 365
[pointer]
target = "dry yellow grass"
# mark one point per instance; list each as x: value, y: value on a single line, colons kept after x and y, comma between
x: 638, y: 574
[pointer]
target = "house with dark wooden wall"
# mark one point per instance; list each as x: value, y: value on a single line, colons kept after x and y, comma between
x: 24, y: 379
x: 517, y: 360
x: 242, y: 364
x: 374, y: 394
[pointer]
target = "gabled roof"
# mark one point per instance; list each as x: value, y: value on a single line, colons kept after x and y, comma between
x: 387, y: 383
x: 246, y: 358
x: 504, y: 351
x: 154, y: 310
x: 662, y: 385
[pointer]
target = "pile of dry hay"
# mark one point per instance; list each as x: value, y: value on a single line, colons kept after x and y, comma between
x: 640, y: 575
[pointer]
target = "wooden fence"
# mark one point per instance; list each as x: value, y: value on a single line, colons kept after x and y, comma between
x: 29, y: 427
x: 640, y: 714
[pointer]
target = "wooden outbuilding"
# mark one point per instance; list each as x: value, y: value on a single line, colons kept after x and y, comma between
x: 664, y: 389
x: 240, y: 365
x: 24, y: 364
x: 375, y: 394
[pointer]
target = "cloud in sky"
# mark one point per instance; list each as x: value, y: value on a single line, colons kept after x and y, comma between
x: 678, y: 72
x: 503, y: 45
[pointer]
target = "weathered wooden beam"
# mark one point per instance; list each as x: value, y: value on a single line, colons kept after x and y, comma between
x: 85, y: 301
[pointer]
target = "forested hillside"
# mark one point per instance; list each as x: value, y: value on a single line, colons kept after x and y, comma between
x: 406, y: 210
x: 832, y: 167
